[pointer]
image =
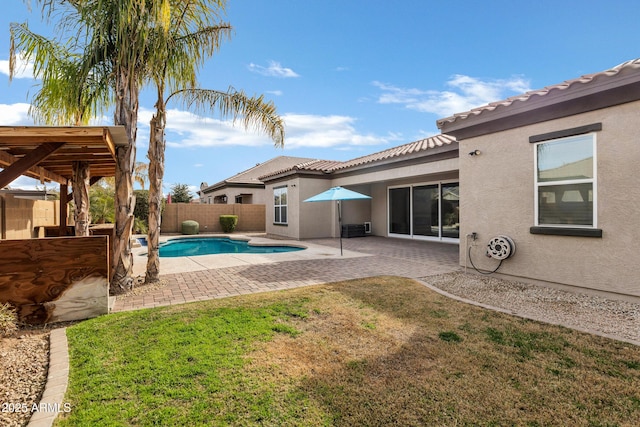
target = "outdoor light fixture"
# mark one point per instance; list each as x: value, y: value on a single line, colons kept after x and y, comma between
x: 475, y: 153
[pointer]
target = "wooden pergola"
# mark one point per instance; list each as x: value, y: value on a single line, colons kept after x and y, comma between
x: 61, y: 278
x: 56, y: 153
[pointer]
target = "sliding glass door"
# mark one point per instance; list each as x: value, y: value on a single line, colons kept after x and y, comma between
x: 399, y: 211
x: 429, y: 211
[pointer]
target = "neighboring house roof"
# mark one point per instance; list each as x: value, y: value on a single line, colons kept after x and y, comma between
x: 251, y: 176
x: 620, y: 83
x: 25, y: 194
x: 416, y: 148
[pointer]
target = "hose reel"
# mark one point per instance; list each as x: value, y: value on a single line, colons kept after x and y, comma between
x: 501, y: 247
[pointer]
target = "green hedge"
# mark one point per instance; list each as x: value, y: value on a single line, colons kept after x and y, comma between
x: 228, y: 223
x: 190, y: 227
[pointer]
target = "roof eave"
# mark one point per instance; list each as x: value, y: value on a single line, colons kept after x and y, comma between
x: 453, y: 146
x: 542, y: 106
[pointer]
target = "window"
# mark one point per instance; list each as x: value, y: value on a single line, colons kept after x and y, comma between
x: 566, y: 182
x: 280, y: 205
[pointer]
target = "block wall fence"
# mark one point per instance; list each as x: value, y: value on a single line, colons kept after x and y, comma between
x: 20, y: 217
x: 251, y: 218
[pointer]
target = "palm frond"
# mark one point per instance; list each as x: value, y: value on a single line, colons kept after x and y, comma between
x: 254, y: 112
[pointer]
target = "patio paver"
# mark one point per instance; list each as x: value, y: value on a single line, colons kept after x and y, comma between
x: 321, y: 263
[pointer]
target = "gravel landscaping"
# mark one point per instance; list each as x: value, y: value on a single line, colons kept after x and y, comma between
x: 594, y: 314
x: 24, y: 358
x: 24, y: 355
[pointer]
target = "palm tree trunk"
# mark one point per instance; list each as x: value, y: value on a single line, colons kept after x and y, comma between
x: 156, y: 174
x: 126, y: 113
x: 81, y: 197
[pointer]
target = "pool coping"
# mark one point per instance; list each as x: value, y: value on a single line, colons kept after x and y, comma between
x: 170, y: 265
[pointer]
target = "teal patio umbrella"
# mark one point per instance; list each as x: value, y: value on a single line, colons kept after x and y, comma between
x: 338, y: 194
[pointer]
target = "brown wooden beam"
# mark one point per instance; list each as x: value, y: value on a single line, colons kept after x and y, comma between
x: 8, y: 175
x: 110, y: 143
x: 35, y: 172
x: 19, y: 135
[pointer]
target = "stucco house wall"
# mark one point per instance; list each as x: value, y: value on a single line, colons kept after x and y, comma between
x: 497, y: 197
x: 430, y: 160
x: 255, y: 196
x: 318, y: 216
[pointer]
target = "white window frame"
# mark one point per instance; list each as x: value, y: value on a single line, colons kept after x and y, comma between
x: 593, y: 181
x: 278, y: 207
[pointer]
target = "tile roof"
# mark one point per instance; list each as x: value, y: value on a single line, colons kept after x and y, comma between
x: 252, y: 175
x: 630, y: 66
x: 402, y: 150
x: 329, y: 166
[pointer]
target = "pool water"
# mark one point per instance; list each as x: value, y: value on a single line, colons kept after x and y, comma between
x: 217, y: 245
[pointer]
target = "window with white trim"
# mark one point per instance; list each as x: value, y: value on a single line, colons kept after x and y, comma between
x: 565, y: 181
x: 280, y: 205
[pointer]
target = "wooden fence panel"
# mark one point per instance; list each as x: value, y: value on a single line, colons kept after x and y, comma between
x: 55, y: 279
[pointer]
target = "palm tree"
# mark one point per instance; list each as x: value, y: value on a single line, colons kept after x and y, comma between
x: 122, y: 44
x: 110, y: 39
x: 178, y: 51
x: 141, y: 173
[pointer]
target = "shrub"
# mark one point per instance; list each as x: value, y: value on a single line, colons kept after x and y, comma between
x: 190, y: 227
x: 8, y: 320
x: 141, y: 210
x: 228, y: 223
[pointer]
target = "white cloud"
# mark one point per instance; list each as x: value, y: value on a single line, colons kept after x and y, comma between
x: 15, y: 115
x: 24, y: 68
x: 273, y: 70
x: 275, y: 92
x: 26, y: 183
x: 188, y: 130
x: 306, y: 130
x: 466, y: 93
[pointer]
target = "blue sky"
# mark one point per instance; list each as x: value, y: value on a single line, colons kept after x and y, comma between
x: 353, y: 77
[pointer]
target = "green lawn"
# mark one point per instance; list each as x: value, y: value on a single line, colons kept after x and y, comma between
x: 379, y: 351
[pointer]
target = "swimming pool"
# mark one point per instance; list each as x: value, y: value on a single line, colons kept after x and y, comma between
x: 217, y: 245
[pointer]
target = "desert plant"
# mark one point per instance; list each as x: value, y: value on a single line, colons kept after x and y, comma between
x: 190, y: 227
x: 140, y: 226
x: 228, y: 223
x: 8, y: 320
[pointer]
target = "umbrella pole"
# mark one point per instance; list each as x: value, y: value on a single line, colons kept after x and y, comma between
x: 340, y: 224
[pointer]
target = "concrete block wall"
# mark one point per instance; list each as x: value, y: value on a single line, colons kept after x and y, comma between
x: 250, y: 217
x: 19, y: 217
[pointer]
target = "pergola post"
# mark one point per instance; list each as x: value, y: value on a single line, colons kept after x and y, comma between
x: 64, y: 201
x: 80, y: 184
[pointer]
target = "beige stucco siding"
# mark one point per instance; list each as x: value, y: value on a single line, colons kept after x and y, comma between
x: 258, y: 195
x: 317, y: 217
x: 318, y: 220
x: 497, y: 197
